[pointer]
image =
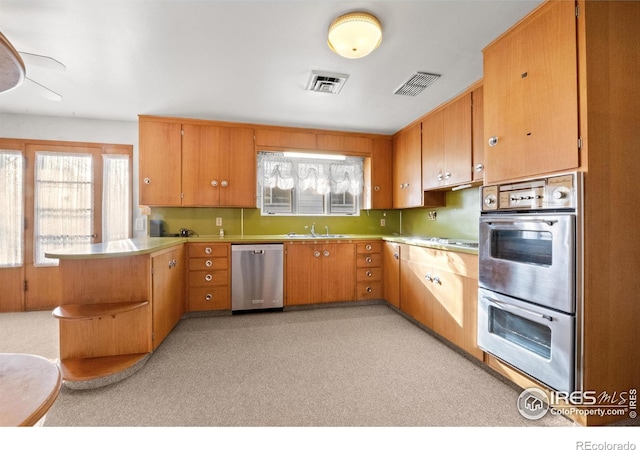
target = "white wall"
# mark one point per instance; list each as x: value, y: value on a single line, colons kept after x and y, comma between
x: 77, y: 130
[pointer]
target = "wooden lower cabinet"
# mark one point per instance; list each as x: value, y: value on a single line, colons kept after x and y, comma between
x: 208, y: 277
x: 439, y: 289
x: 319, y: 272
x: 391, y: 264
x: 369, y: 270
x: 168, y: 292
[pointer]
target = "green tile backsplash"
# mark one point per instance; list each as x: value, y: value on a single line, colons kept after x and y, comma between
x: 458, y: 219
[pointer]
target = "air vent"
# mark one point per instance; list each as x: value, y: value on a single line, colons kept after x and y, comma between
x: 328, y: 82
x: 417, y: 83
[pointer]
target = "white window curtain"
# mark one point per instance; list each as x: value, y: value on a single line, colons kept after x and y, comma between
x: 318, y: 175
x: 11, y: 200
x: 63, y: 203
x: 116, y: 198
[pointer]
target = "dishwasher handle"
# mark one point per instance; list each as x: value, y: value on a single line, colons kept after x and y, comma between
x: 258, y: 252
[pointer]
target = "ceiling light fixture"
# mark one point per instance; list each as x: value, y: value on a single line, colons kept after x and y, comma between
x: 355, y: 34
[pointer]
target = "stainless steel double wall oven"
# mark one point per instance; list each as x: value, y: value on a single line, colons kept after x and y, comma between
x: 530, y: 253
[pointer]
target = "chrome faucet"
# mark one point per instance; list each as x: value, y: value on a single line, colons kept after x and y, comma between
x: 312, y: 230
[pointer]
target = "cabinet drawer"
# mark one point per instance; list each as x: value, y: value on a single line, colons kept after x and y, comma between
x: 369, y: 260
x: 208, y: 263
x: 369, y: 291
x: 372, y: 274
x: 212, y: 250
x: 369, y: 247
x: 209, y: 278
x: 209, y: 298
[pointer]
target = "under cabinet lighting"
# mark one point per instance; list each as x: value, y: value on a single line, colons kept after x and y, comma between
x: 313, y: 156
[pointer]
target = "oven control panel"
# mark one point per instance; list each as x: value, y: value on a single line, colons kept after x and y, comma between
x: 543, y: 193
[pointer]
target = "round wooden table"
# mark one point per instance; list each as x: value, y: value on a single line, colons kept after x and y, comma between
x: 29, y: 385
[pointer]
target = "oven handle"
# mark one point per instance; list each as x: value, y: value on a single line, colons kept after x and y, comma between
x: 548, y: 222
x: 503, y: 305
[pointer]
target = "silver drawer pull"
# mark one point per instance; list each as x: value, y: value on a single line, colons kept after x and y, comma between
x: 369, y: 289
x: 208, y: 263
x: 208, y: 250
x: 208, y: 297
x: 369, y: 274
x: 368, y: 259
x: 208, y: 277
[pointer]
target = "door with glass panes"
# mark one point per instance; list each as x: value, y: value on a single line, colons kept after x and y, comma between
x: 56, y: 196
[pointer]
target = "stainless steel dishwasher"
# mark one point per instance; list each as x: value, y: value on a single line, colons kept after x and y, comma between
x: 257, y: 277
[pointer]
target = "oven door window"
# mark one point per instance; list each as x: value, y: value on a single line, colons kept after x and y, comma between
x: 523, y: 246
x: 522, y: 332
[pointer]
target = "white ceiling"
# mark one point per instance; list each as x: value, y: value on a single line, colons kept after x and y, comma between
x: 246, y: 61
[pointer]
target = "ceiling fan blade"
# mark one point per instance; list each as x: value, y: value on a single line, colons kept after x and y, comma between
x: 45, y: 62
x: 45, y: 91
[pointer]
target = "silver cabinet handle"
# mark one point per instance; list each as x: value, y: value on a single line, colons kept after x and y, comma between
x: 369, y: 289
x: 428, y: 277
x: 439, y: 177
x: 436, y: 280
x: 208, y: 250
x: 147, y: 181
x: 316, y: 254
x: 208, y: 297
x: 214, y: 183
x: 368, y: 259
x: 479, y: 167
x: 208, y: 277
x: 173, y: 263
x: 208, y: 263
x: 369, y: 274
x: 447, y: 175
x: 224, y: 183
x: 376, y: 188
x: 368, y: 247
x: 396, y: 256
x: 326, y: 253
x: 493, y: 141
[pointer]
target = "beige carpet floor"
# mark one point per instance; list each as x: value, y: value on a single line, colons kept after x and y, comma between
x: 364, y: 366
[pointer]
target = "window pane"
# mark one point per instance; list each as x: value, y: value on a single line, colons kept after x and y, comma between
x: 63, y: 203
x: 116, y: 198
x: 12, y: 217
x: 310, y: 202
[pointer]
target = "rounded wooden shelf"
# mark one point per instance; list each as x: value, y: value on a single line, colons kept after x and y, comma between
x: 30, y: 385
x: 95, y: 311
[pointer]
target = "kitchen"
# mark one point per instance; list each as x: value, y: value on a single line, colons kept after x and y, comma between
x: 608, y: 254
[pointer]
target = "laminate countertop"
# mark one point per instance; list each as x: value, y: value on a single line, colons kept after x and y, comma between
x: 141, y: 246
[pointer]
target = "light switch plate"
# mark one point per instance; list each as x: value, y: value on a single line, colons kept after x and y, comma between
x: 139, y: 224
x: 218, y: 221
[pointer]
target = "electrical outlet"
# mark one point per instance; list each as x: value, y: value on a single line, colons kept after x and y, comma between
x: 383, y: 222
x: 218, y: 221
x: 139, y: 224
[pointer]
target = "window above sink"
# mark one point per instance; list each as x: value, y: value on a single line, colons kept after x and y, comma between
x: 309, y: 184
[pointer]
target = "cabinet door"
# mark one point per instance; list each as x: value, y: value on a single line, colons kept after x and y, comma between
x: 433, y: 150
x: 238, y: 169
x: 381, y: 187
x: 407, y: 180
x: 477, y: 132
x: 391, y: 264
x: 457, y: 141
x: 168, y: 301
x: 415, y: 299
x: 303, y: 271
x: 338, y: 272
x: 201, y: 164
x: 531, y: 96
x: 160, y: 159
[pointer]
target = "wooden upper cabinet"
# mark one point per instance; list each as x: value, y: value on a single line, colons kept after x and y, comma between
x: 352, y: 145
x: 447, y: 145
x: 477, y: 132
x: 185, y: 163
x: 218, y: 166
x: 531, y: 96
x: 160, y: 160
x: 407, y: 167
x: 300, y: 140
x: 381, y: 174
